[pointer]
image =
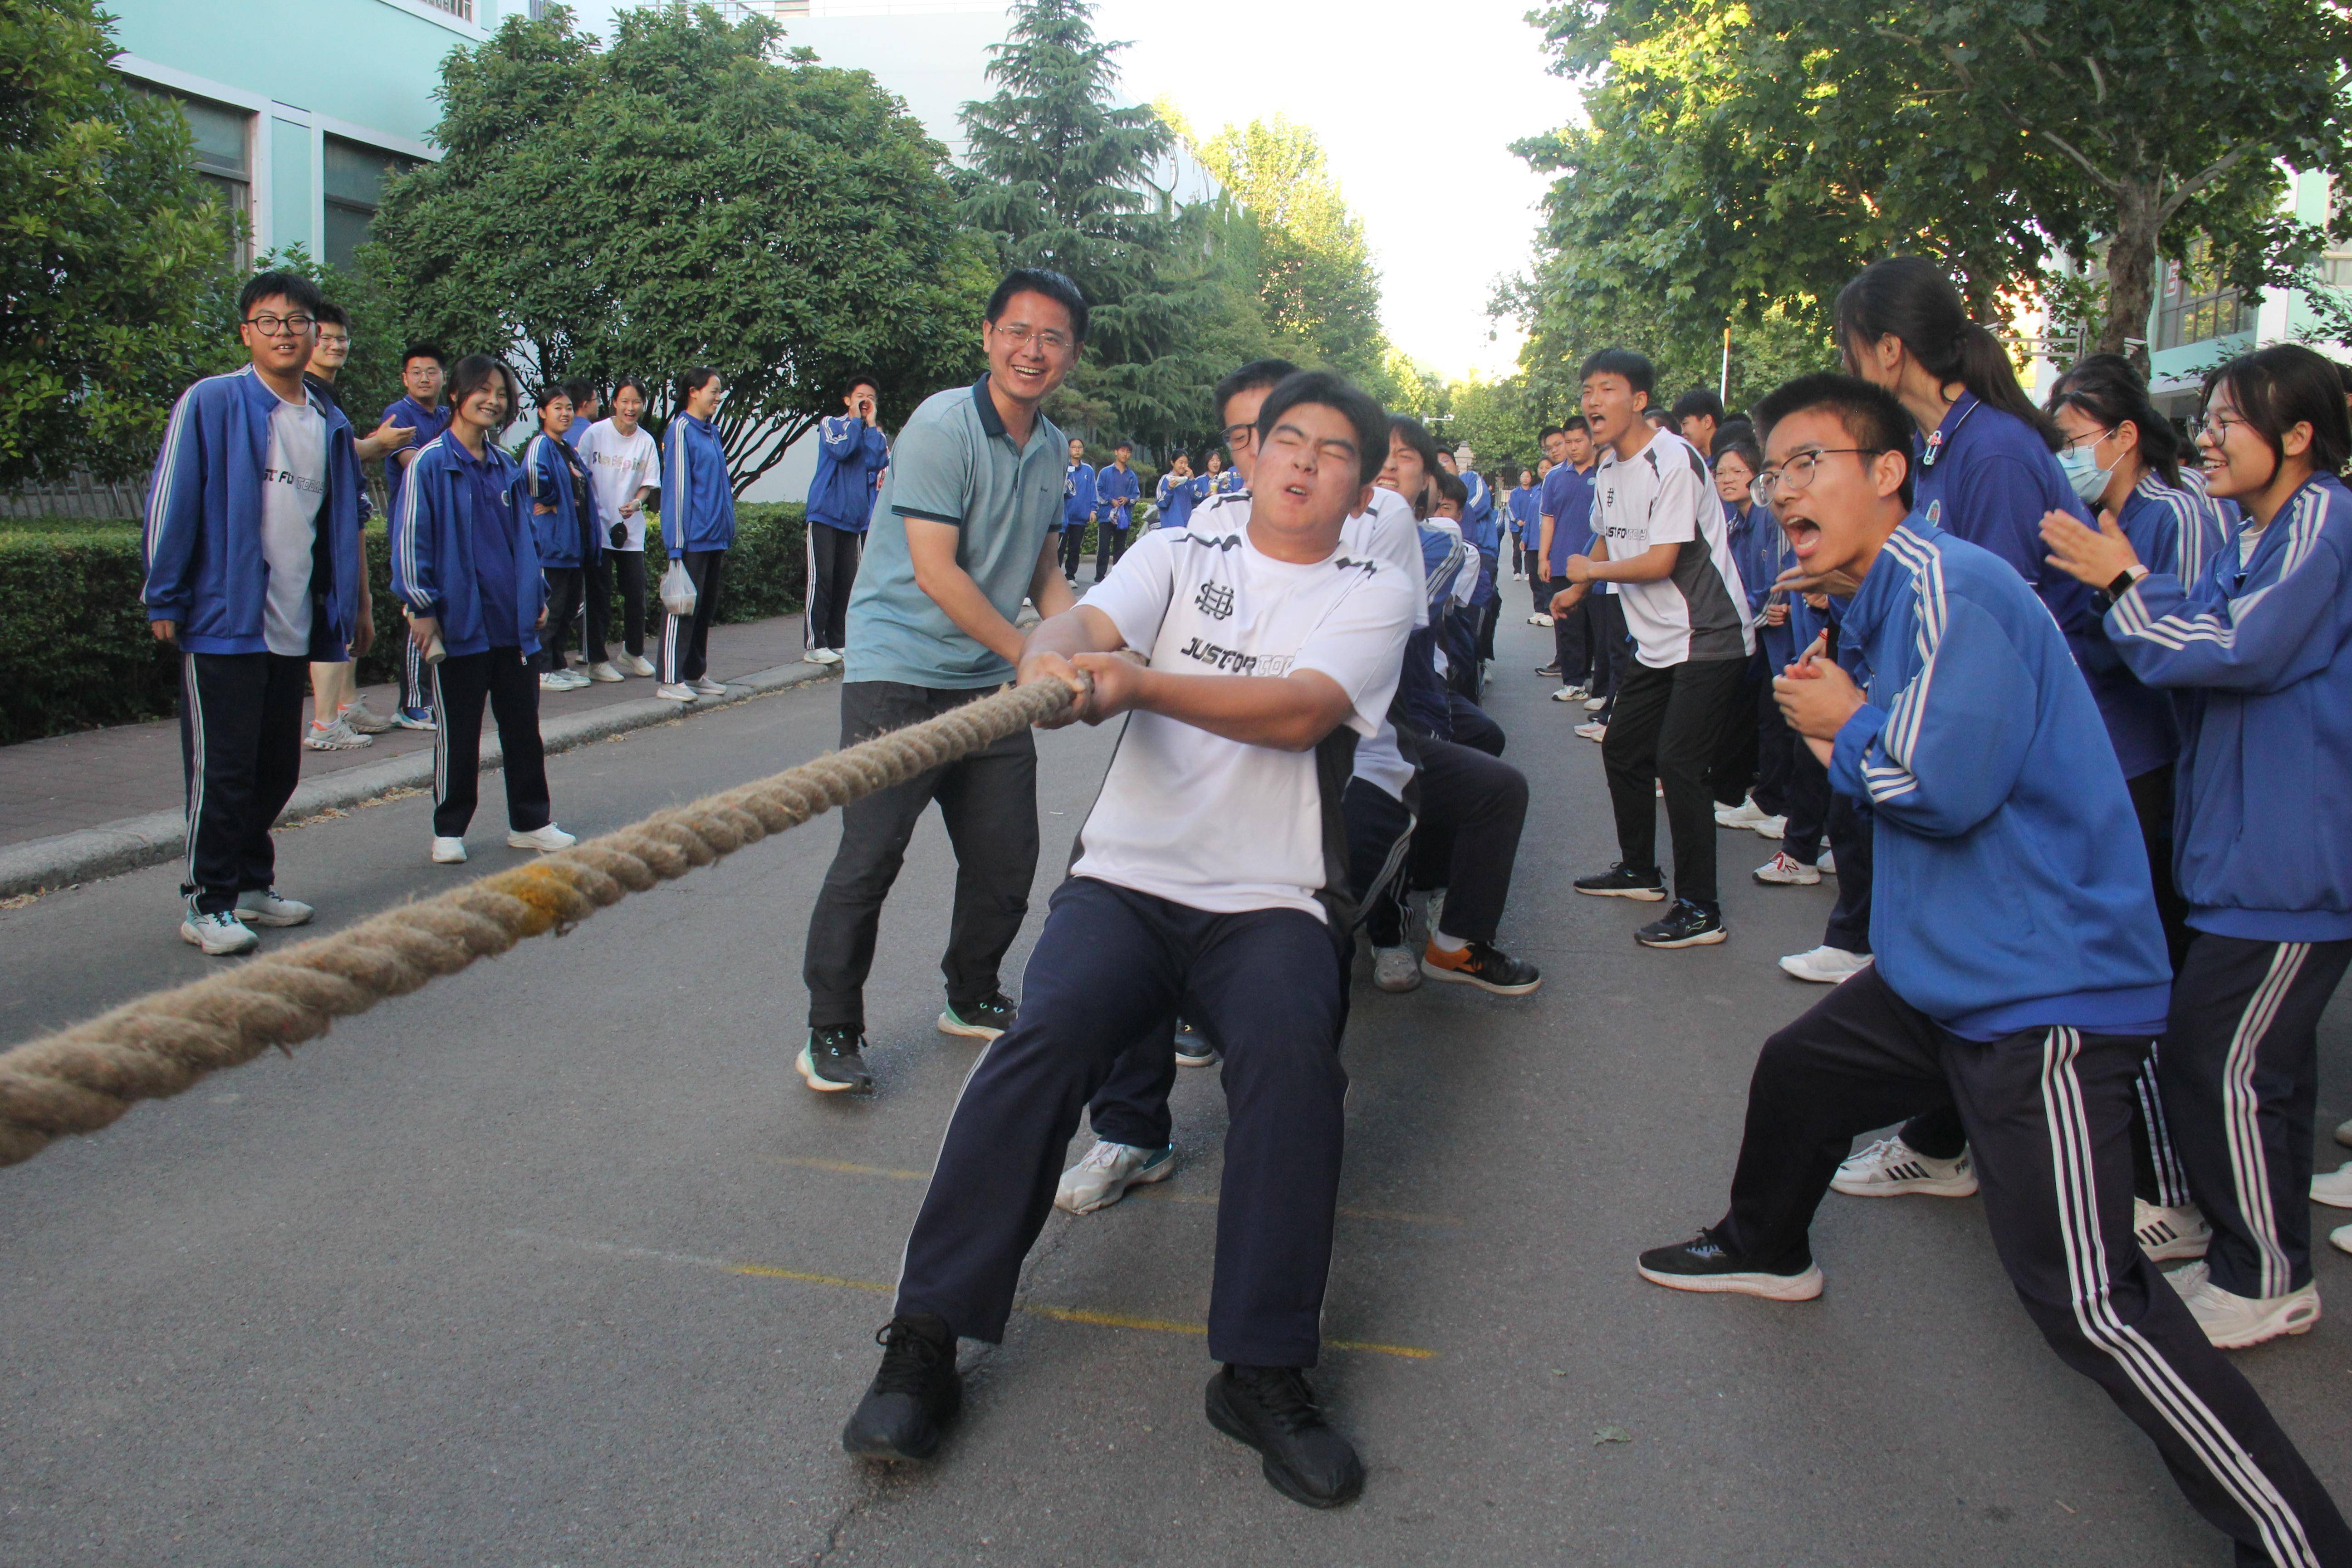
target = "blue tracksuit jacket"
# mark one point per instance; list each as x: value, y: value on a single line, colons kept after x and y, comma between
x: 698, y: 503
x: 1116, y: 490
x: 1177, y: 497
x: 1077, y: 497
x: 437, y: 570
x: 1762, y: 552
x: 850, y: 453
x: 2254, y: 655
x: 567, y: 536
x: 2175, y: 532
x: 1479, y: 524
x: 204, y: 566
x: 2011, y: 890
x: 1520, y: 504
x: 426, y: 422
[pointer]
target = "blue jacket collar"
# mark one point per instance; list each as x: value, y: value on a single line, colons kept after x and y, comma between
x: 1889, y: 578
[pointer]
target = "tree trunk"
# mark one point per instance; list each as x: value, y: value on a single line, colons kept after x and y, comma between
x: 2131, y: 271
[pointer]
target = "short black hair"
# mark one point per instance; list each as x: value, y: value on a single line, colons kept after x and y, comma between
x: 858, y: 378
x: 1872, y: 416
x: 2284, y: 386
x: 1040, y: 280
x: 1122, y: 446
x: 1549, y: 431
x: 1574, y: 423
x: 560, y: 389
x: 1451, y: 487
x: 694, y: 381
x: 1698, y: 401
x: 1658, y: 417
x: 1337, y: 392
x: 1638, y: 371
x: 579, y: 392
x: 293, y: 287
x: 629, y: 381
x: 1249, y: 378
x: 1742, y: 446
x: 423, y: 351
x: 326, y: 313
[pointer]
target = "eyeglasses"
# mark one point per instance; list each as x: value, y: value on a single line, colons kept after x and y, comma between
x: 1235, y: 435
x: 2093, y: 436
x: 1797, y: 472
x: 1052, y: 341
x: 2216, y: 427
x: 275, y: 326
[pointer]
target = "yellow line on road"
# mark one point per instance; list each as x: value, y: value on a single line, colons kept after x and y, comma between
x: 762, y: 1271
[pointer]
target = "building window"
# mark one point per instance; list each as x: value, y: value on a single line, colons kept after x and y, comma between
x: 461, y: 9
x: 355, y: 176
x: 222, y: 151
x: 2335, y: 270
x: 2192, y: 307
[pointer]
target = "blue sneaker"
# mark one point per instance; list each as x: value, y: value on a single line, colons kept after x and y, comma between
x: 416, y: 718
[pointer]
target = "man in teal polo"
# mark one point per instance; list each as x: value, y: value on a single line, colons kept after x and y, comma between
x: 966, y: 528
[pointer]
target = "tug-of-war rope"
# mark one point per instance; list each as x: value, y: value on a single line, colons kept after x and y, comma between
x: 82, y: 1079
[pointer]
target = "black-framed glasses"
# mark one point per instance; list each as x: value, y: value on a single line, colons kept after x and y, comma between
x: 1797, y: 472
x: 1233, y: 434
x: 271, y: 326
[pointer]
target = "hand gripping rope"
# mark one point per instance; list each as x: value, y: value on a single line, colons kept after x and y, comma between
x: 83, y: 1079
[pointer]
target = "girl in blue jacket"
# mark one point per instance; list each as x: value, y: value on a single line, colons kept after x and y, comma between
x: 571, y: 548
x: 698, y: 524
x: 467, y: 573
x: 2254, y: 653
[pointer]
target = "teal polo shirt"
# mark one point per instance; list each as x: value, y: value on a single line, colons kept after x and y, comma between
x: 954, y: 463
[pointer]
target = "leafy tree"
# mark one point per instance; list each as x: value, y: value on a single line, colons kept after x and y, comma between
x: 684, y: 198
x: 112, y: 259
x: 1061, y: 174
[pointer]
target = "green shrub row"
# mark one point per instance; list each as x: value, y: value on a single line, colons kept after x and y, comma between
x: 77, y: 652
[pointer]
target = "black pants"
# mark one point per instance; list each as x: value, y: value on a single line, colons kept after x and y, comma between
x: 1110, y: 544
x: 461, y: 684
x: 1474, y: 726
x: 1776, y: 750
x: 988, y: 800
x: 1074, y: 548
x: 2151, y: 797
x: 1110, y: 966
x: 1808, y: 803
x: 1571, y: 645
x: 573, y: 594
x: 240, y: 757
x: 416, y: 677
x: 1737, y: 750
x: 1541, y: 587
x: 2046, y: 1110
x: 1852, y: 831
x: 628, y: 570
x: 1379, y: 851
x: 2239, y: 1079
x: 686, y: 639
x: 1473, y: 808
x: 833, y: 557
x: 1612, y: 648
x: 1664, y: 729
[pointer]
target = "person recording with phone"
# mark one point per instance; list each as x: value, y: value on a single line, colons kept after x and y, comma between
x: 851, y: 455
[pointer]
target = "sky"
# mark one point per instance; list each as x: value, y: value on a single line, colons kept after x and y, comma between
x: 1416, y: 106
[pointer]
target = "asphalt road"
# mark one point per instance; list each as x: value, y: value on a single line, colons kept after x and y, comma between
x: 558, y: 1263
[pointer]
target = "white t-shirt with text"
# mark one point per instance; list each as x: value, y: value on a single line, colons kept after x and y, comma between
x: 1218, y: 825
x: 1664, y: 495
x: 294, y: 486
x: 618, y: 467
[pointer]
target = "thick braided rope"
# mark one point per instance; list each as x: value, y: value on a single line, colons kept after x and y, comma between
x: 82, y: 1078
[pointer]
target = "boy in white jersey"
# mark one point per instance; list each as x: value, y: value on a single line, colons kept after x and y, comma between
x: 1212, y: 869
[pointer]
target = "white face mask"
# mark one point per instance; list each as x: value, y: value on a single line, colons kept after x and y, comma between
x: 2082, y: 471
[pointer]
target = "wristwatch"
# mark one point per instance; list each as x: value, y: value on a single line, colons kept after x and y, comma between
x: 2124, y: 580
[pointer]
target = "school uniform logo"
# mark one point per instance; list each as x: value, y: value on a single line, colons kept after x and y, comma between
x: 1214, y: 600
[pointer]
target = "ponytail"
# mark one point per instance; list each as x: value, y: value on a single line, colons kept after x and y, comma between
x: 2107, y: 389
x: 1909, y: 298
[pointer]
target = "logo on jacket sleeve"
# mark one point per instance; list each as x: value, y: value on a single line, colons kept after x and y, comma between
x: 1214, y: 600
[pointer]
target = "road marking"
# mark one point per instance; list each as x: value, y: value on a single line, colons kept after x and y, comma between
x: 1154, y: 1193
x: 875, y: 1286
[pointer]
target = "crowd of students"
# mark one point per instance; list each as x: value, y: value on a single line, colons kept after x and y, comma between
x: 2078, y: 685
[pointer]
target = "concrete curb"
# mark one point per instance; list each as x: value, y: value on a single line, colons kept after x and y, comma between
x: 132, y: 843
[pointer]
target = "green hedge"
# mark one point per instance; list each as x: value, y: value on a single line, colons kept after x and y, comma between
x: 75, y: 643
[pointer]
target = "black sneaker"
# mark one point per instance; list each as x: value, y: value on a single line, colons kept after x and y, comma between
x: 833, y: 1060
x: 1271, y: 1409
x: 918, y: 1391
x: 1622, y: 881
x: 1192, y: 1047
x: 1481, y: 965
x: 981, y: 1020
x: 1551, y: 669
x: 1684, y: 925
x: 1701, y: 1263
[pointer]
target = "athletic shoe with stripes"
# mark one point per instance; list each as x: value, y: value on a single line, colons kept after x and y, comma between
x: 1622, y: 881
x: 1482, y: 964
x: 1703, y: 1264
x: 219, y: 934
x: 1891, y: 1168
x: 2166, y: 1234
x: 1684, y: 925
x: 1784, y: 871
x: 265, y: 907
x: 1105, y: 1172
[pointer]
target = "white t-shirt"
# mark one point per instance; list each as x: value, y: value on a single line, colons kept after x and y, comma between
x: 294, y: 486
x: 1664, y: 495
x: 1193, y: 818
x: 618, y: 467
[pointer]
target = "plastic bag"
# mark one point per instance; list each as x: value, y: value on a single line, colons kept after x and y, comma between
x: 677, y: 595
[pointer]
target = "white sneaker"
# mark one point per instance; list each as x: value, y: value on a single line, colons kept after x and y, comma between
x: 541, y: 838
x: 1891, y: 1168
x: 814, y: 655
x: 1746, y: 814
x: 2166, y: 1234
x: 364, y: 719
x: 1396, y: 968
x: 1826, y: 965
x: 705, y: 686
x: 604, y: 672
x: 1538, y: 619
x: 2333, y: 1189
x: 829, y: 655
x: 335, y: 737
x: 266, y: 909
x: 219, y: 935
x: 1105, y: 1172
x: 1771, y: 827
x: 1568, y: 694
x: 2232, y: 1322
x: 573, y: 679
x: 2344, y: 1132
x: 1785, y: 870
x: 1595, y: 704
x: 448, y: 852
x: 1826, y: 865
x: 2341, y: 1237
x: 634, y: 664
x: 1594, y: 729
x: 674, y: 691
